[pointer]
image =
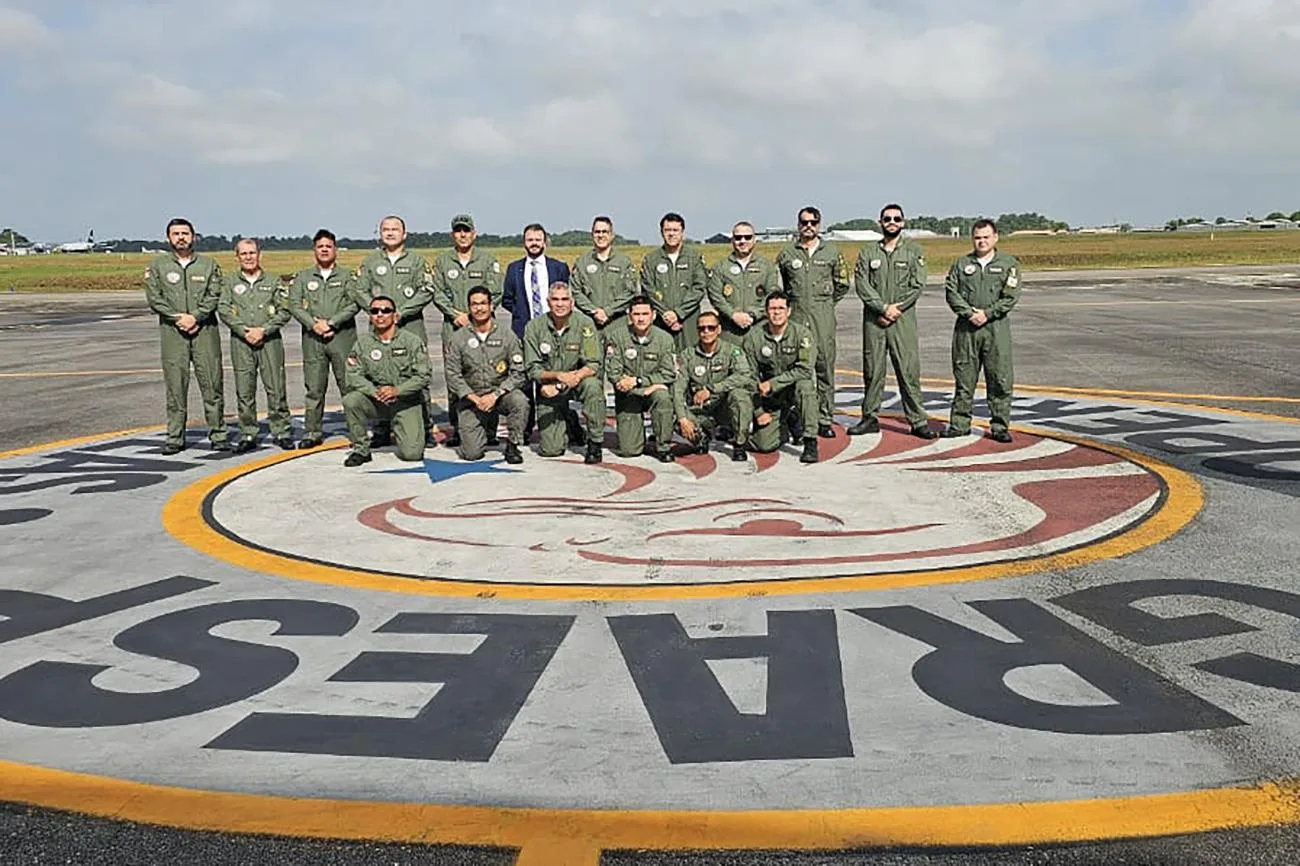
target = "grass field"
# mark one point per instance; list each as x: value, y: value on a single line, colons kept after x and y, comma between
x: 107, y: 271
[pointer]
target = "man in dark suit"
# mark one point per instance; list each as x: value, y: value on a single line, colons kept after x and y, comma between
x: 524, y: 294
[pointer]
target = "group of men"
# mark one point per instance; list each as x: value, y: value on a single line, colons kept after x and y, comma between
x: 755, y: 365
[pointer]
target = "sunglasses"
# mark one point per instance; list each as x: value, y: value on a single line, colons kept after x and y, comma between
x: 707, y: 328
x: 742, y: 237
x: 809, y: 222
x: 382, y: 311
x: 892, y: 219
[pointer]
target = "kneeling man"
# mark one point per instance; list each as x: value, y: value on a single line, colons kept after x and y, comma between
x: 388, y: 371
x: 562, y: 354
x: 713, y: 389
x: 640, y: 362
x: 783, y: 354
x: 485, y: 375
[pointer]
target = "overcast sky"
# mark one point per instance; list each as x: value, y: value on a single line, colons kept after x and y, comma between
x: 279, y: 116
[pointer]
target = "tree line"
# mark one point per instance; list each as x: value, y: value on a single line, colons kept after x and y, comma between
x: 1007, y: 222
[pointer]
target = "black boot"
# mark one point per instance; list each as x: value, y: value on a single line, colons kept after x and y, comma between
x: 866, y: 425
x: 809, y: 454
x: 512, y: 453
x: 595, y: 453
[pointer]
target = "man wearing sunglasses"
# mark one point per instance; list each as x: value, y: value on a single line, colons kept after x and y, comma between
x: 395, y: 272
x: 739, y: 284
x: 889, y: 278
x: 388, y: 373
x: 455, y: 272
x: 816, y: 278
x: 485, y: 375
x: 714, y: 387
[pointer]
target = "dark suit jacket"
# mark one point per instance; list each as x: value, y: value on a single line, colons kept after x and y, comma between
x: 514, y: 296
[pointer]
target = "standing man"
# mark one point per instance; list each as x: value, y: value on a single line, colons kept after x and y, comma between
x: 739, y: 284
x: 394, y: 272
x: 603, y: 280
x: 982, y: 288
x: 816, y: 277
x: 528, y: 280
x: 184, y: 288
x: 714, y: 387
x: 640, y: 361
x: 889, y: 278
x: 455, y: 272
x: 388, y: 373
x: 255, y: 307
x: 485, y: 372
x: 675, y: 279
x: 525, y: 291
x: 321, y: 299
x: 783, y: 354
x: 563, y: 356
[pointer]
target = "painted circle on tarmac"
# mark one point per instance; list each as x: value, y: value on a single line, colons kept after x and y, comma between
x: 880, y: 506
x: 989, y: 682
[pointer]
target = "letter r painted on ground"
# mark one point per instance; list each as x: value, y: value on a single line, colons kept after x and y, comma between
x: 966, y: 671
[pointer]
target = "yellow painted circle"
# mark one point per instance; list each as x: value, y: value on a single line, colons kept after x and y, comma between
x: 183, y: 517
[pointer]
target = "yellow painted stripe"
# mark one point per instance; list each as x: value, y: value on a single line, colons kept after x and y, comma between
x: 578, y: 834
x: 183, y: 518
x: 116, y: 434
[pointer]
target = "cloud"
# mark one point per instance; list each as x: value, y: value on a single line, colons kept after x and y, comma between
x: 1091, y: 108
x: 23, y: 31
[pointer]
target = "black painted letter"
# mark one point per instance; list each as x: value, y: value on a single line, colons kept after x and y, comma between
x: 482, y: 693
x: 966, y: 671
x: 697, y: 723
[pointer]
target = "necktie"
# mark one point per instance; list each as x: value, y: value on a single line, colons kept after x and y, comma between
x: 535, y: 288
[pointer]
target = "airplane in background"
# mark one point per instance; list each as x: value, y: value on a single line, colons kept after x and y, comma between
x: 86, y: 246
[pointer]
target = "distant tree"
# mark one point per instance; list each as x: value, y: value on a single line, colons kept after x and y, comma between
x: 9, y: 237
x: 1218, y: 221
x: 1295, y: 216
x: 1276, y: 215
x: 719, y: 238
x: 855, y: 224
x: 1126, y: 227
x: 1193, y: 220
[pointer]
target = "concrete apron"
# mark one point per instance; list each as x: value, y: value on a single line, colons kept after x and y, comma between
x: 1082, y: 634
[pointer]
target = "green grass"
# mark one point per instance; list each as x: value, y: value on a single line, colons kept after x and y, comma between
x: 123, y: 271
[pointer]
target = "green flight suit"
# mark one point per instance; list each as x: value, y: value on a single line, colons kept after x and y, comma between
x: 314, y: 296
x: 678, y: 287
x: 729, y: 379
x: 403, y: 363
x: 651, y: 360
x: 172, y: 289
x: 257, y: 303
x: 883, y: 277
x: 450, y: 282
x: 405, y: 280
x: 789, y: 364
x: 734, y: 288
x: 608, y: 284
x: 479, y: 364
x: 993, y: 288
x: 578, y: 346
x: 815, y: 284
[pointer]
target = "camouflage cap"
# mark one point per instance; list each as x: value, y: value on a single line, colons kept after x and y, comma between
x: 462, y: 219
